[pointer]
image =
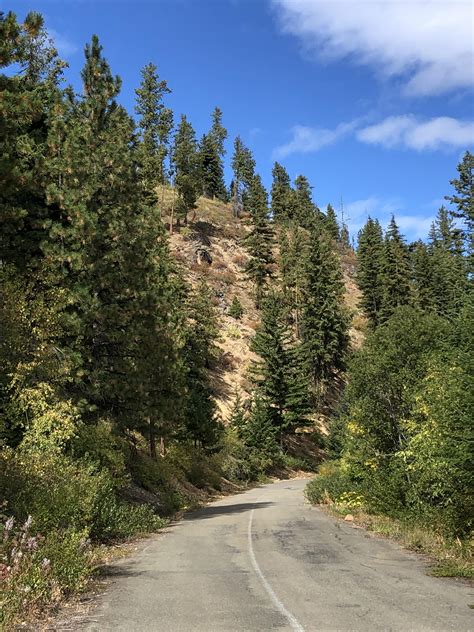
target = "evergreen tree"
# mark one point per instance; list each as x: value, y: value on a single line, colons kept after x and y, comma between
x: 27, y: 98
x: 324, y: 322
x: 370, y: 252
x: 280, y: 374
x: 236, y: 310
x: 345, y: 238
x: 238, y: 418
x: 260, y: 437
x: 293, y: 245
x: 243, y: 167
x: 211, y: 158
x: 280, y: 193
x: 331, y: 223
x: 423, y: 277
x: 304, y: 211
x: 260, y: 239
x: 155, y: 124
x: 463, y: 200
x: 448, y: 267
x: 200, y: 350
x: 100, y: 87
x: 185, y: 160
x: 396, y: 271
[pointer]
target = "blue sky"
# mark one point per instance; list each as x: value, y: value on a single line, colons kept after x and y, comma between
x: 372, y: 101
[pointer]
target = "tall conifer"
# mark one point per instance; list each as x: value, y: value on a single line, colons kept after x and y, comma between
x: 259, y: 241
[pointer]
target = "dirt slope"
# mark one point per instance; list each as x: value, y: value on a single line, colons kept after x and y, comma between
x: 210, y: 248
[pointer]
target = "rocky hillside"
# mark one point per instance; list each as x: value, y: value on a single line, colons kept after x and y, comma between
x: 210, y: 248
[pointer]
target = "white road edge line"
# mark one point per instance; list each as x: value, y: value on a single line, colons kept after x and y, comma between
x: 292, y: 620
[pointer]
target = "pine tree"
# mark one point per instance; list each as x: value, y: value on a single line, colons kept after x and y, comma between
x: 260, y: 239
x: 280, y: 193
x: 99, y: 86
x: 155, y: 124
x: 370, y: 253
x: 396, y: 272
x: 243, y: 167
x: 331, y: 223
x: 27, y: 98
x: 324, y: 322
x: 185, y: 160
x: 211, y: 154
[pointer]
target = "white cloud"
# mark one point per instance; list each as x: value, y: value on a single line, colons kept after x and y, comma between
x: 407, y: 131
x: 414, y: 226
x: 428, y: 43
x: 357, y: 212
x: 64, y: 46
x: 310, y: 139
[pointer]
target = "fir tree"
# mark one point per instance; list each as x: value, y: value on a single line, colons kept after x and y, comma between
x: 185, y: 160
x: 260, y: 436
x: 448, y: 267
x: 423, y: 277
x: 324, y: 322
x: 304, y: 211
x: 331, y: 223
x: 200, y: 422
x: 463, y: 200
x: 293, y: 244
x: 260, y: 239
x: 370, y: 252
x: 396, y: 271
x: 211, y: 158
x: 243, y: 167
x: 238, y: 418
x: 155, y: 124
x: 345, y: 238
x: 280, y: 193
x: 280, y: 374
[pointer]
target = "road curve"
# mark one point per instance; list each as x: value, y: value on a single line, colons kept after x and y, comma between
x: 266, y: 560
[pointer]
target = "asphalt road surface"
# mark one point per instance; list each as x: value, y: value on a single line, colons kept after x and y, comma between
x: 266, y: 560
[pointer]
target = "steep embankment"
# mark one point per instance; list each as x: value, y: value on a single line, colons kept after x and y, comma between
x: 210, y: 248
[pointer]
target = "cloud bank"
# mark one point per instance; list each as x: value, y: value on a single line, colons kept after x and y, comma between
x: 403, y: 132
x: 426, y: 43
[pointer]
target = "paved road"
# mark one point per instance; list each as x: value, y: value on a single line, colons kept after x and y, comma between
x: 265, y: 560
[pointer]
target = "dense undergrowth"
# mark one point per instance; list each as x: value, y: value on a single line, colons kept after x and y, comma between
x: 402, y: 444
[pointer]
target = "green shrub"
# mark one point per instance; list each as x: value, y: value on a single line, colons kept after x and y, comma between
x: 62, y: 493
x: 100, y: 445
x: 329, y: 485
x: 117, y: 520
x: 56, y: 491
